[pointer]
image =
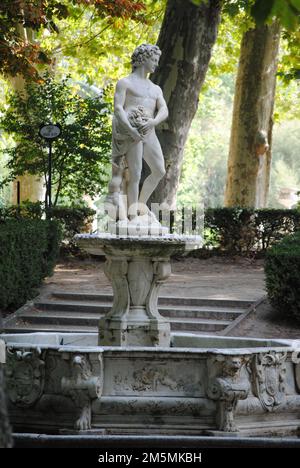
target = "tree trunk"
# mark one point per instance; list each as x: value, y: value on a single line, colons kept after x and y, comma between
x: 31, y: 186
x: 248, y: 168
x: 187, y: 36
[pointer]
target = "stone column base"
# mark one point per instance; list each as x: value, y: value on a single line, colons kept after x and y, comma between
x: 122, y: 332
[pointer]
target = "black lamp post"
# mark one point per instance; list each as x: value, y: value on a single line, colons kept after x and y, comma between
x: 49, y: 132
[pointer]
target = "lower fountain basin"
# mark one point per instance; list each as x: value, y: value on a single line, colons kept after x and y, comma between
x: 65, y: 383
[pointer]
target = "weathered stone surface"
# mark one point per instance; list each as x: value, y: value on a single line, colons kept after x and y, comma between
x: 139, y: 106
x: 25, y: 375
x: 2, y: 352
x: 5, y: 429
x: 136, y: 267
x: 222, y: 387
x: 227, y: 385
x: 82, y: 386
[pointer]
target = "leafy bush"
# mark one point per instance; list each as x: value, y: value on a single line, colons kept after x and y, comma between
x: 282, y: 268
x: 245, y: 230
x: 80, y: 155
x: 28, y: 250
x: 230, y: 229
x: 27, y: 210
x: 73, y: 219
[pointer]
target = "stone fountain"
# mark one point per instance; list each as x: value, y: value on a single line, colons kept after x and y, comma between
x: 135, y: 376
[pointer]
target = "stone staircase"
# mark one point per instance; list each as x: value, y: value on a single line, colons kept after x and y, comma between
x: 80, y: 312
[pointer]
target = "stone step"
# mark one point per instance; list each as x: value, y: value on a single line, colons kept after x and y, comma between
x: 198, y: 325
x: 22, y: 326
x: 162, y: 300
x: 72, y: 306
x: 166, y: 311
x: 50, y: 323
x: 62, y: 318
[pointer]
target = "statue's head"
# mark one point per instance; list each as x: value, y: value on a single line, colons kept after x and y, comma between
x: 144, y: 52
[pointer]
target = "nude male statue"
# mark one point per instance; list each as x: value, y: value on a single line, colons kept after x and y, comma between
x: 139, y: 106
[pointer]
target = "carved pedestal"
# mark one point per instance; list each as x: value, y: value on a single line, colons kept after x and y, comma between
x: 136, y: 267
x: 134, y: 319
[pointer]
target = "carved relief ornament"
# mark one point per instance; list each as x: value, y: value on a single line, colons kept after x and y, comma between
x: 269, y: 376
x: 25, y: 376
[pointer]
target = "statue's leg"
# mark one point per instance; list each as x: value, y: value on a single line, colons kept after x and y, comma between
x: 116, y: 179
x: 154, y: 158
x: 134, y: 158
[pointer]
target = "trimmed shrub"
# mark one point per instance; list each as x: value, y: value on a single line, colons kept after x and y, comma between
x: 247, y: 231
x: 28, y: 210
x: 230, y: 229
x: 28, y: 250
x: 74, y: 219
x: 282, y: 268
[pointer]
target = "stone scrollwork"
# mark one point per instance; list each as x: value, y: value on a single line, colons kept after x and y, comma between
x: 134, y: 318
x: 226, y: 386
x: 116, y: 270
x: 82, y: 387
x: 25, y: 376
x: 269, y: 378
x: 162, y: 271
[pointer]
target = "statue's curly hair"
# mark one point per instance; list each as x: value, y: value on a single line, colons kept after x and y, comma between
x: 142, y: 53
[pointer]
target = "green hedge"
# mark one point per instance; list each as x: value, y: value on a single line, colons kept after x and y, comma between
x: 74, y: 219
x: 245, y: 230
x: 28, y: 250
x: 282, y: 268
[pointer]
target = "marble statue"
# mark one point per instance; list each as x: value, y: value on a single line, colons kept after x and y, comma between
x: 139, y: 106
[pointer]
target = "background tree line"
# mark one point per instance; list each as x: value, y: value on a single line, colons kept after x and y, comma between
x: 93, y: 41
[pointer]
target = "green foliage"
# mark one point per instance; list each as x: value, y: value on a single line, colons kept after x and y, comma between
x: 72, y: 219
x: 20, y: 54
x: 80, y: 155
x: 246, y: 231
x: 205, y: 156
x: 285, y: 172
x: 28, y: 250
x: 99, y: 49
x: 206, y: 150
x: 262, y: 11
x: 282, y: 268
x: 27, y: 210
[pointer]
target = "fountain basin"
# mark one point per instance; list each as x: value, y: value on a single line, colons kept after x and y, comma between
x: 66, y: 383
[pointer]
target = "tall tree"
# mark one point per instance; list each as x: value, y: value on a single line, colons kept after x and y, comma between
x: 248, y: 168
x: 21, y: 54
x: 187, y: 35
